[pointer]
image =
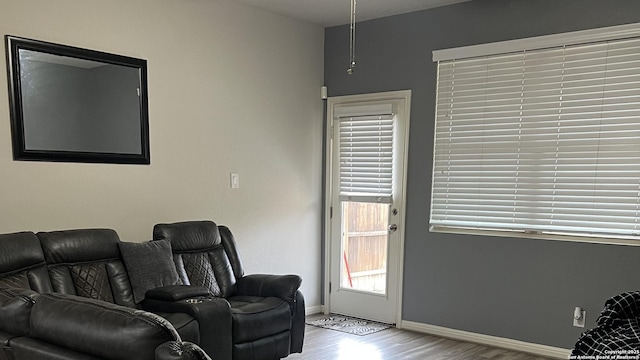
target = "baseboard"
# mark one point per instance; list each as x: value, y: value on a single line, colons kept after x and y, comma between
x: 311, y: 310
x: 537, y: 349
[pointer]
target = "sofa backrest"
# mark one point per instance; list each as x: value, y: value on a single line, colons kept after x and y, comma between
x: 202, y: 256
x: 22, y: 263
x: 87, y: 263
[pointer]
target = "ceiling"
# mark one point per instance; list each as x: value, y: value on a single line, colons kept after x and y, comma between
x: 336, y: 12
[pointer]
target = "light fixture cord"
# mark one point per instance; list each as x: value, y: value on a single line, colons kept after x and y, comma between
x: 352, y: 39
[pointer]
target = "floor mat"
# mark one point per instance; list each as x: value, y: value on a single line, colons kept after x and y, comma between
x: 349, y: 325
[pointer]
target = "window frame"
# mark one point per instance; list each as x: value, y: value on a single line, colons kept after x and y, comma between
x: 520, y: 45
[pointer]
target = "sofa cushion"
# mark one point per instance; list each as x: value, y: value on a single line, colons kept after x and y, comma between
x: 150, y: 265
x: 210, y: 270
x: 86, y: 262
x: 200, y: 255
x: 257, y: 317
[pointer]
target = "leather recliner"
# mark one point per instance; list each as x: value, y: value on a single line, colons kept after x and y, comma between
x: 267, y: 311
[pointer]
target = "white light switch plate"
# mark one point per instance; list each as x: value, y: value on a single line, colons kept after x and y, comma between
x: 235, y: 180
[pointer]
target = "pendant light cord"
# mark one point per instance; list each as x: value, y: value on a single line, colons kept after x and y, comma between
x: 352, y: 39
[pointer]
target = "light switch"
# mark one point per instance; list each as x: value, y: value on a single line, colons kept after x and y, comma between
x: 235, y: 180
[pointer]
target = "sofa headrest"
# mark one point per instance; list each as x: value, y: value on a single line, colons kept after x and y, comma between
x: 19, y: 251
x: 81, y: 245
x: 189, y: 236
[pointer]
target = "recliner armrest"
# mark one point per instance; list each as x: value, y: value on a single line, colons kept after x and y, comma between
x: 98, y: 328
x: 282, y: 286
x: 214, y: 321
x: 176, y: 292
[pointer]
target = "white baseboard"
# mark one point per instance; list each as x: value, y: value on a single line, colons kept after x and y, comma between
x: 311, y: 310
x: 537, y: 349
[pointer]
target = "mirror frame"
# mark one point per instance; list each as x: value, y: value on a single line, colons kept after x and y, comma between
x: 20, y: 152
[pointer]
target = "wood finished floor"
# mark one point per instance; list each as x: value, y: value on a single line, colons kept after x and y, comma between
x: 394, y: 344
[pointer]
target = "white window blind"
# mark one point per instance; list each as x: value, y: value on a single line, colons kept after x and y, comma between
x: 541, y: 140
x: 366, y: 153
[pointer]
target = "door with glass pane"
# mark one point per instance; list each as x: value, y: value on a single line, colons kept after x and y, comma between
x: 367, y: 204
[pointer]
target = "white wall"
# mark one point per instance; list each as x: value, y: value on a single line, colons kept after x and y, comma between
x: 231, y: 88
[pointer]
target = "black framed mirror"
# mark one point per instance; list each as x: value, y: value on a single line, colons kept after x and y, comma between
x: 76, y: 105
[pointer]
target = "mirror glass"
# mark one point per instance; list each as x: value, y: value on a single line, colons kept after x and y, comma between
x: 77, y: 105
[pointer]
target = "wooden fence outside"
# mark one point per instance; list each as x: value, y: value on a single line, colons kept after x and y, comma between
x: 365, y: 245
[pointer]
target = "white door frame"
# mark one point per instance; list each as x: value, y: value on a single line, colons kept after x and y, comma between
x: 331, y: 102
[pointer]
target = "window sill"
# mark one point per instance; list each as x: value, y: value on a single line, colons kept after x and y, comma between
x: 627, y: 241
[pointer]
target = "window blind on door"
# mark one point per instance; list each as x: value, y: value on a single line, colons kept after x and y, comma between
x: 543, y: 140
x: 366, y: 153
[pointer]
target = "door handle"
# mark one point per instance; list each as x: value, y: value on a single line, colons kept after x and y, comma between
x: 393, y: 227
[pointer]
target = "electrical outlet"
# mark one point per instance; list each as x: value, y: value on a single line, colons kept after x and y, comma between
x: 579, y: 317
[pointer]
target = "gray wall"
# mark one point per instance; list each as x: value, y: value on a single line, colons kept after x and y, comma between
x: 514, y: 288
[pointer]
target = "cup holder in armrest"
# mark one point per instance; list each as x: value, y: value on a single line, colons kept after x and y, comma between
x: 193, y: 301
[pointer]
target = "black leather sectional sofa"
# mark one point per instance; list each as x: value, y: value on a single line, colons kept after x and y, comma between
x: 188, y: 281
